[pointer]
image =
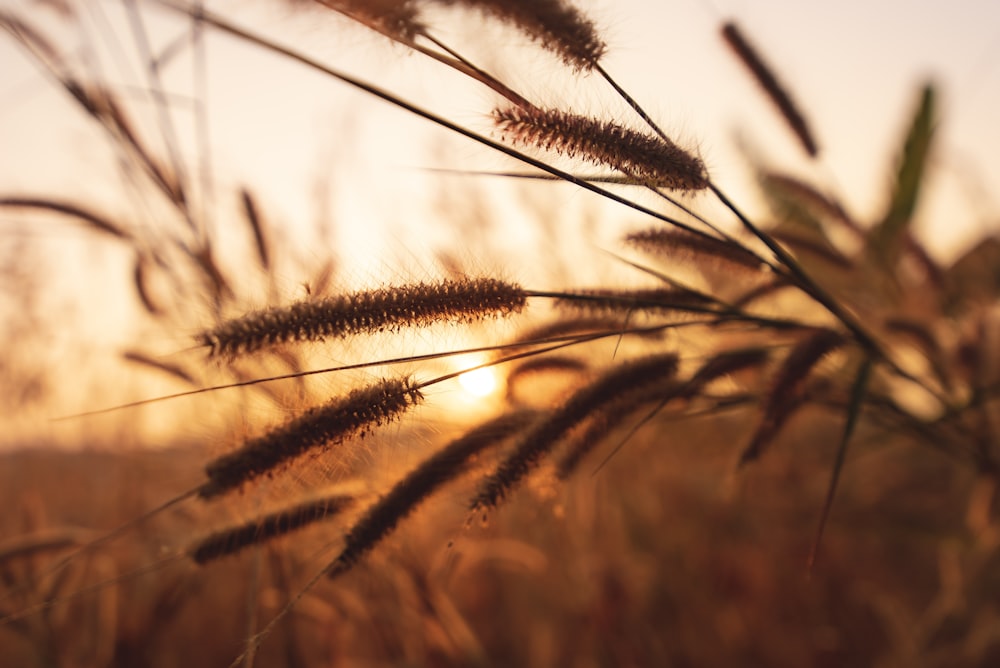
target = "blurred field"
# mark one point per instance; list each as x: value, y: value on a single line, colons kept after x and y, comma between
x: 665, y: 557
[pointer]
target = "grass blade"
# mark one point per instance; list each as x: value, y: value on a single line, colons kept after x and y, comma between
x: 853, y: 410
x: 886, y: 238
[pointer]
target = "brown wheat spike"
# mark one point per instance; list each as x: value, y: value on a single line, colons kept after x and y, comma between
x: 555, y: 24
x: 629, y: 301
x: 263, y: 529
x: 354, y: 414
x: 678, y: 244
x: 411, y: 490
x: 787, y: 387
x: 366, y: 312
x: 540, y: 439
x: 777, y: 93
x: 651, y: 160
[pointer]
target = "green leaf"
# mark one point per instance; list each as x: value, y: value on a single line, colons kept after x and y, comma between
x: 858, y: 391
x: 886, y: 237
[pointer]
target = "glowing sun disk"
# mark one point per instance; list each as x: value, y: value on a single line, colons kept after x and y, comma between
x: 479, y: 383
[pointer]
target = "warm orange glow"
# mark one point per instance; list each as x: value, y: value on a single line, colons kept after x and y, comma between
x: 479, y: 383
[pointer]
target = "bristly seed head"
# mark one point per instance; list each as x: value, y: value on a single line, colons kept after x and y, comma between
x: 649, y: 160
x: 767, y: 80
x: 273, y: 525
x: 367, y: 312
x: 650, y: 300
x: 355, y: 414
x: 555, y: 24
x: 678, y: 244
x: 396, y: 19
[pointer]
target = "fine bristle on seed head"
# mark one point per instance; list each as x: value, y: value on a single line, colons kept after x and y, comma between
x: 556, y: 25
x: 355, y: 414
x: 367, y: 312
x: 650, y: 160
x: 678, y: 244
x: 273, y: 525
x: 647, y: 300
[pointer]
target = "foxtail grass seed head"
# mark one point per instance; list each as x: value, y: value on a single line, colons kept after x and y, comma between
x: 396, y: 19
x: 449, y: 462
x: 367, y: 312
x: 544, y: 436
x: 787, y: 387
x: 652, y: 300
x: 556, y: 25
x: 356, y: 414
x: 273, y: 525
x: 677, y: 244
x: 648, y: 159
x: 767, y: 80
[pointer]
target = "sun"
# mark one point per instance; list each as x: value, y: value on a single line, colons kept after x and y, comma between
x: 479, y: 383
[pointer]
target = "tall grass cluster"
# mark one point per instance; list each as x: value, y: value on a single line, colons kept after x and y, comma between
x: 662, y: 441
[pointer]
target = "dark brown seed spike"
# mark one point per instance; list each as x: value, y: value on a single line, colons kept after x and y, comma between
x: 767, y: 80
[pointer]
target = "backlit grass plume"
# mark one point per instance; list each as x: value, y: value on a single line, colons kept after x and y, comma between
x: 650, y: 160
x: 695, y: 249
x: 556, y: 25
x: 345, y: 417
x: 231, y: 540
x: 366, y: 312
x: 768, y: 81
